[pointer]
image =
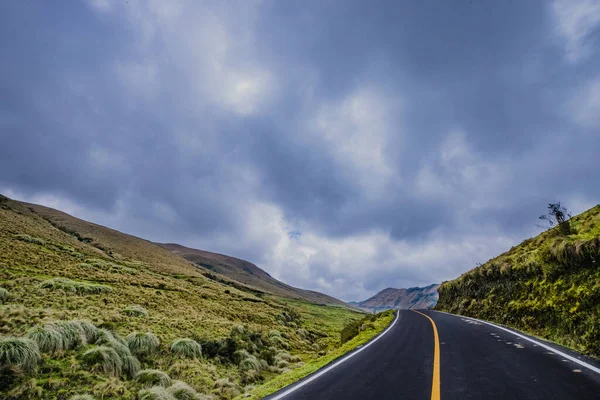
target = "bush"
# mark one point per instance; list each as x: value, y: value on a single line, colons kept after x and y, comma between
x: 4, y: 295
x: 155, y: 393
x: 142, y: 344
x: 136, y: 311
x: 82, y: 397
x: 152, y: 377
x: 105, y: 359
x: 186, y: 348
x: 349, y: 331
x: 19, y: 352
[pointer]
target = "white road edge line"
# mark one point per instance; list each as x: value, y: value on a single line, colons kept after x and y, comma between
x: 318, y: 374
x: 568, y: 357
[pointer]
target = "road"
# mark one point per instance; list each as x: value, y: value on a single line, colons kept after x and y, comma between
x: 468, y: 360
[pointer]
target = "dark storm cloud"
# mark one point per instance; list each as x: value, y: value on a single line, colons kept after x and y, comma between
x: 402, y: 141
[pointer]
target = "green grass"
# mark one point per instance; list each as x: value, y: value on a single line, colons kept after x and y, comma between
x: 50, y: 304
x: 548, y: 286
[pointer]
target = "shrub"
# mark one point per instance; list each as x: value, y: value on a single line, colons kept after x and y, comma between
x: 4, y: 295
x: 183, y: 391
x: 152, y: 377
x: 349, y: 331
x: 19, y: 352
x: 142, y: 344
x: 82, y: 397
x: 105, y: 359
x: 186, y: 348
x: 136, y: 311
x: 155, y: 393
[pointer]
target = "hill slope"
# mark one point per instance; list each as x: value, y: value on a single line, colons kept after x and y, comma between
x: 57, y: 271
x: 403, y: 299
x: 548, y: 286
x: 247, y: 273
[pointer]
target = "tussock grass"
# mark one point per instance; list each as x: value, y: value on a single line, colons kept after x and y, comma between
x: 250, y: 362
x: 153, y: 377
x: 103, y: 359
x: 136, y: 311
x: 225, y: 388
x: 186, y: 348
x: 107, y: 266
x: 4, y: 295
x: 155, y: 393
x: 19, y: 352
x: 48, y: 339
x: 30, y: 239
x: 142, y: 344
x: 71, y: 286
x: 129, y: 363
x: 183, y: 391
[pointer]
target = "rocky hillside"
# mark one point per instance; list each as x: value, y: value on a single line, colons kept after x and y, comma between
x: 247, y: 273
x: 548, y: 286
x: 404, y: 299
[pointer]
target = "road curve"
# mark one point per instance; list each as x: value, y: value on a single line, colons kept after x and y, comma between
x: 474, y: 361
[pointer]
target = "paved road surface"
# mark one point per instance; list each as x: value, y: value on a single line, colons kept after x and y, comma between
x: 474, y: 361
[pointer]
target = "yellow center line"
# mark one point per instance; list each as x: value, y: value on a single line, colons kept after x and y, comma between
x: 435, y: 385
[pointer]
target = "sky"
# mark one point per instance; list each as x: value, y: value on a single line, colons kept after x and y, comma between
x: 342, y: 146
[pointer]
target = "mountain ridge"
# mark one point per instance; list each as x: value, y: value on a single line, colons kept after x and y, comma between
x: 392, y: 298
x: 117, y: 245
x: 247, y: 273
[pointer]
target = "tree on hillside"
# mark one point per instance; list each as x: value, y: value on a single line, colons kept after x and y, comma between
x: 558, y: 215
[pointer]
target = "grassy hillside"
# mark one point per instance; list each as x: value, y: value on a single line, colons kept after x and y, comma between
x: 247, y: 273
x: 548, y: 286
x: 84, y: 309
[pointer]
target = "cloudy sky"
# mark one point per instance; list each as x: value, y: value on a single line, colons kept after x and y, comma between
x: 342, y: 146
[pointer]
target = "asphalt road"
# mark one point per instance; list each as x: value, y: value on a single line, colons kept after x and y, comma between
x: 473, y: 360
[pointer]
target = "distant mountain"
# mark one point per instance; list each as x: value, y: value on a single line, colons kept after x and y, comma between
x: 247, y: 273
x: 417, y: 298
